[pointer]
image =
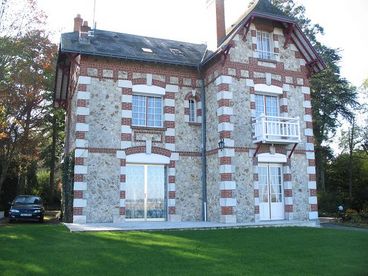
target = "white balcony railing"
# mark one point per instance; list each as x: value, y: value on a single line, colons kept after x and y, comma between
x: 279, y: 130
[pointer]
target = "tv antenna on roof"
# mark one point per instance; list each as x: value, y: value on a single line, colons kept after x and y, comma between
x: 94, y: 14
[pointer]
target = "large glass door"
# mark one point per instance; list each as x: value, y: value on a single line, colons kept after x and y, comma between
x: 145, y: 192
x: 271, y: 200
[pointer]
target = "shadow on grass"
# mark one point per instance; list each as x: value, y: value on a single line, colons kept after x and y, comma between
x: 52, y: 249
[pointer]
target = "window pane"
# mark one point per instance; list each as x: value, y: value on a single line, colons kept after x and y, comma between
x: 259, y: 105
x: 271, y: 106
x: 192, y: 111
x: 138, y: 110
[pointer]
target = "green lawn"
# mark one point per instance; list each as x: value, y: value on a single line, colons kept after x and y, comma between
x: 27, y: 249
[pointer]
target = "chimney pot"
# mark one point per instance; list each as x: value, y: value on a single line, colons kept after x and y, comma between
x: 77, y: 23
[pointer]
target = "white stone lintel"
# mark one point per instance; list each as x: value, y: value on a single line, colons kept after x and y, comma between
x: 308, y: 132
x: 80, y: 169
x: 310, y: 155
x: 226, y: 169
x: 126, y: 98
x: 227, y: 202
x: 249, y: 83
x: 224, y: 95
x: 224, y: 110
x: 307, y: 118
x: 288, y: 200
x: 126, y: 114
x: 169, y: 102
x: 83, y: 153
x: 81, y: 127
x: 125, y: 84
x: 81, y: 143
x: 227, y: 185
x: 225, y: 127
x: 80, y: 186
x: 305, y: 90
x: 313, y: 215
x: 83, y: 95
x: 309, y: 146
x: 226, y: 153
x: 170, y: 146
x: 223, y: 79
x: 174, y: 156
x: 126, y: 129
x: 312, y: 185
x: 268, y: 89
x: 82, y: 110
x: 79, y: 203
x: 84, y: 80
x: 312, y: 200
x: 172, y: 88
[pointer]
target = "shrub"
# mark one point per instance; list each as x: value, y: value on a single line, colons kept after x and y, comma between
x: 352, y: 215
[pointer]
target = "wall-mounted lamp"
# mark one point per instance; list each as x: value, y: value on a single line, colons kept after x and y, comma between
x: 221, y: 144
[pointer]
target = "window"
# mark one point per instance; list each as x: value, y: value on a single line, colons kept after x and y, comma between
x: 176, y: 52
x: 147, y: 111
x: 147, y: 50
x: 192, y: 111
x: 267, y: 105
x: 264, y: 45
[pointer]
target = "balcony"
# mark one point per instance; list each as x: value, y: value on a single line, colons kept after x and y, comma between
x: 276, y: 130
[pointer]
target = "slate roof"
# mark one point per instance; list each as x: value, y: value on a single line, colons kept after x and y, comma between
x: 128, y: 46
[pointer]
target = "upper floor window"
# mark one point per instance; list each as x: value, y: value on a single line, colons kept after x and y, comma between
x: 267, y: 105
x: 264, y: 45
x: 147, y: 111
x: 192, y: 111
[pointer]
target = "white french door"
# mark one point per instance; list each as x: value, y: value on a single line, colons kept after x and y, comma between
x: 271, y: 199
x: 145, y: 192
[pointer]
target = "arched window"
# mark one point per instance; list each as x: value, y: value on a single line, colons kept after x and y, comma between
x: 192, y: 111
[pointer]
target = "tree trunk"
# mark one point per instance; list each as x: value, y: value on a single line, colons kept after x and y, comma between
x: 52, y: 162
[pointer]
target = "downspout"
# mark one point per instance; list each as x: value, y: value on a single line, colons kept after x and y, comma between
x: 203, y: 142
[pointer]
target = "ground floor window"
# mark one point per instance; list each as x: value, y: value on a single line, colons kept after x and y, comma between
x: 145, y: 192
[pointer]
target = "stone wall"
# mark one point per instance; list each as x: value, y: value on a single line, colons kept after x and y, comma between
x: 102, y: 194
x: 189, y: 189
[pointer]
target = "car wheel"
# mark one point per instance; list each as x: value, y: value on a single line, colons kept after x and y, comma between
x: 41, y: 220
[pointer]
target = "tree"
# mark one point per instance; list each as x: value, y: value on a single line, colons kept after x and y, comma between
x: 332, y: 96
x: 26, y: 66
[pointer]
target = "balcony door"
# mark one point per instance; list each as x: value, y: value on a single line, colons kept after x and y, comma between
x: 271, y: 200
x: 145, y: 192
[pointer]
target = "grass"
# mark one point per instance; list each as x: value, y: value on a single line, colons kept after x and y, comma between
x: 31, y: 249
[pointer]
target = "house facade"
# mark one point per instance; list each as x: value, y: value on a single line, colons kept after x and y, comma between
x: 168, y: 130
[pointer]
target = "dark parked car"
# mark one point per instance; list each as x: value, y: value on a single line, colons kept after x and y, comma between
x: 26, y: 207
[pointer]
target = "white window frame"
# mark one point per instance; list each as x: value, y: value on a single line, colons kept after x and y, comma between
x: 145, y: 111
x: 265, y: 49
x: 264, y: 96
x: 192, y: 110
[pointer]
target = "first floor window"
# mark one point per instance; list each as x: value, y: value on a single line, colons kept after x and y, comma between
x: 192, y: 111
x: 267, y: 105
x: 147, y: 111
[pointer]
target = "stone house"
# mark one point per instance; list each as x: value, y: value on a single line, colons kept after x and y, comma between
x: 169, y: 130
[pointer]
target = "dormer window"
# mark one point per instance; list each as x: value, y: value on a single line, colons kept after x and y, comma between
x: 264, y: 46
x: 176, y: 52
x: 147, y: 50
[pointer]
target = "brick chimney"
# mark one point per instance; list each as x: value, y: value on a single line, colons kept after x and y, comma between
x: 78, y: 21
x: 215, y: 21
x: 220, y: 21
x: 85, y: 34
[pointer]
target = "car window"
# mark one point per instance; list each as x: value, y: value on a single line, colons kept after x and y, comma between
x: 27, y: 200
